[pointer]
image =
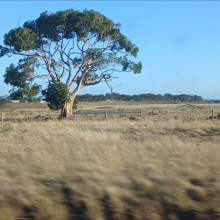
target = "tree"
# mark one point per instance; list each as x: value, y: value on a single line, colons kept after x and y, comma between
x: 20, y: 77
x: 74, y: 48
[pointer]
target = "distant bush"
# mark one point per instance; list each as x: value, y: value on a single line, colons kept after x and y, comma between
x: 4, y: 100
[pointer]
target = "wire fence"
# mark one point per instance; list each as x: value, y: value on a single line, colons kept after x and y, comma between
x: 40, y: 116
x: 176, y: 113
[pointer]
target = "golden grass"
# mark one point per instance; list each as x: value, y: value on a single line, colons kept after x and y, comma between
x: 155, y: 111
x: 110, y: 170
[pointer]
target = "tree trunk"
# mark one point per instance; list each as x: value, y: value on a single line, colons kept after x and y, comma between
x: 67, y: 110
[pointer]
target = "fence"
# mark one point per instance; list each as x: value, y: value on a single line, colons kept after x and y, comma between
x: 132, y: 115
x: 104, y: 115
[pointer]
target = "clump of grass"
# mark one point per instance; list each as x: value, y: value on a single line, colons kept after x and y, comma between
x: 144, y: 186
x: 148, y: 186
x: 198, y: 194
x: 6, y: 128
x: 197, y: 181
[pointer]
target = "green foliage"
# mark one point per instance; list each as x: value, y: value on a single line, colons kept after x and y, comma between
x: 21, y: 78
x: 75, y: 104
x: 129, y: 65
x: 56, y: 95
x: 22, y: 39
x: 4, y: 51
x: 70, y: 24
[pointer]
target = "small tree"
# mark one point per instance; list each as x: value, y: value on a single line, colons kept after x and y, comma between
x: 75, y: 48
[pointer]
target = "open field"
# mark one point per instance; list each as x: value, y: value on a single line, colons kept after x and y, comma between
x: 112, y: 170
x: 155, y: 111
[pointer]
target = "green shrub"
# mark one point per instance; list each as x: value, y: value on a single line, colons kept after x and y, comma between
x: 56, y: 95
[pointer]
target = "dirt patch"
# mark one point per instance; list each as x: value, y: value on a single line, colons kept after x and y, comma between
x: 23, y: 105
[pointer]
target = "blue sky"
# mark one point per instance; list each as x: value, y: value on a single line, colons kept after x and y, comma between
x: 179, y: 42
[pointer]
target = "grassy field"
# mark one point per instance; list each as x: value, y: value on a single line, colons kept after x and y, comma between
x: 156, y: 168
x: 155, y: 111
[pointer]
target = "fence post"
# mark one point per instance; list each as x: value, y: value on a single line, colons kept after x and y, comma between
x: 74, y: 115
x: 213, y: 114
x: 106, y: 115
x: 141, y: 114
x: 2, y: 118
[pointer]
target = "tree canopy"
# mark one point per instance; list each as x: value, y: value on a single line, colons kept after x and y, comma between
x: 20, y: 77
x: 71, y: 47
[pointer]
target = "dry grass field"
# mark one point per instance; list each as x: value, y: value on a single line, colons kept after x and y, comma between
x: 155, y: 111
x: 152, y: 169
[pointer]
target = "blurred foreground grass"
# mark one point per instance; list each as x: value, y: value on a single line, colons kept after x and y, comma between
x: 110, y: 170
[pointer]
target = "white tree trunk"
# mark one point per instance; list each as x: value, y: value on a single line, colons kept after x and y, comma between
x: 67, y: 109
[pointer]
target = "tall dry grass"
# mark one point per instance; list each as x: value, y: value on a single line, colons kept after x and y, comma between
x: 109, y: 170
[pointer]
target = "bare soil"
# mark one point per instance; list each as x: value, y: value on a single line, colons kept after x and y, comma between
x: 23, y: 105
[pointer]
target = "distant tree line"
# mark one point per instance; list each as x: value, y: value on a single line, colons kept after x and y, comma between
x: 141, y: 97
x: 123, y: 97
x: 8, y: 99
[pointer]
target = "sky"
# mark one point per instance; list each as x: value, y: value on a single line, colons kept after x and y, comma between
x: 178, y: 41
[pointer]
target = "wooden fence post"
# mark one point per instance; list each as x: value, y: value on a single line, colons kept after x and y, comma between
x: 141, y: 114
x: 213, y: 114
x: 2, y: 118
x: 106, y: 115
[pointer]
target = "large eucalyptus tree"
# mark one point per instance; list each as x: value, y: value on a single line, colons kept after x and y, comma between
x: 73, y: 48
